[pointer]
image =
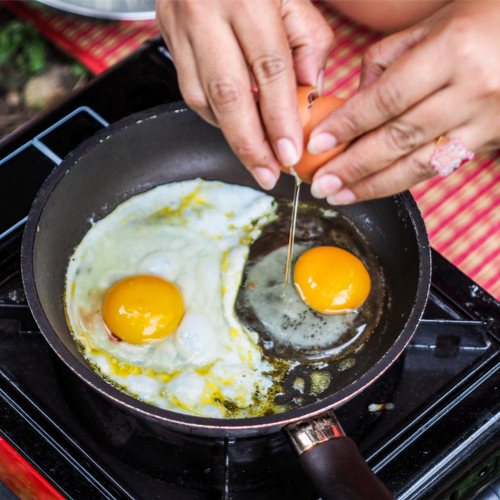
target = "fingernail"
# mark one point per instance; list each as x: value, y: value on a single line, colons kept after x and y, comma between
x: 320, y: 82
x: 345, y: 197
x: 287, y: 154
x: 325, y: 185
x: 266, y: 179
x: 321, y: 143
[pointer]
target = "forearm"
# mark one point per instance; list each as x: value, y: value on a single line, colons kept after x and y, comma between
x: 387, y: 15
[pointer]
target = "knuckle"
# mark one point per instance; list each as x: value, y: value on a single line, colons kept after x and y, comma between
x: 462, y: 35
x: 489, y: 82
x: 250, y: 153
x: 486, y: 82
x: 191, y: 11
x: 463, y: 42
x: 422, y: 168
x: 404, y: 137
x: 224, y: 93
x: 349, y: 125
x: 389, y: 99
x: 269, y: 67
x: 368, y: 191
x: 466, y: 50
x: 356, y: 170
x: 325, y: 39
x: 371, y: 56
x: 197, y: 102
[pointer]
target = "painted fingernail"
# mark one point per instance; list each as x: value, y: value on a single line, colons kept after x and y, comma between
x: 325, y: 185
x: 287, y: 153
x: 321, y: 143
x: 266, y: 179
x: 344, y: 197
x: 320, y: 82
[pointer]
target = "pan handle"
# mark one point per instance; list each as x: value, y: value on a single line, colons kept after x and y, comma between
x: 332, y: 461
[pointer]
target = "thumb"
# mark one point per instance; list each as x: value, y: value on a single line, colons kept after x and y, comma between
x: 310, y: 38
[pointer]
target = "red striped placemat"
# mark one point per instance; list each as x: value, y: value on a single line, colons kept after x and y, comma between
x: 98, y: 44
x: 461, y: 212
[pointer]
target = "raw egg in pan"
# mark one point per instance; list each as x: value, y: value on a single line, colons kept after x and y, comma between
x: 331, y: 280
x: 339, y: 292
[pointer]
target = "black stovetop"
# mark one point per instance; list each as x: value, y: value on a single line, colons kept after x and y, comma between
x: 429, y: 427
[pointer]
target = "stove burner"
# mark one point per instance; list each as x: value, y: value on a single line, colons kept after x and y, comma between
x: 429, y: 427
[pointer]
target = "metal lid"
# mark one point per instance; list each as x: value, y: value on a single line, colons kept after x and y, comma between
x: 126, y: 10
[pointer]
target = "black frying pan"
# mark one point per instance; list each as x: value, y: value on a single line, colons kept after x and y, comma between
x: 171, y: 143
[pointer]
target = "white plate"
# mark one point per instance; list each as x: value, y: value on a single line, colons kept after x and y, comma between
x: 126, y: 10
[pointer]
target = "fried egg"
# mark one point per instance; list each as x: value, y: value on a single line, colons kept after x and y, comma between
x: 169, y: 263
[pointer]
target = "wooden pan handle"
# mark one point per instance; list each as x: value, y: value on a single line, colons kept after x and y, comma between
x: 332, y: 462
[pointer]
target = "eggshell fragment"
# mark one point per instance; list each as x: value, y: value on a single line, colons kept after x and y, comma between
x: 310, y: 116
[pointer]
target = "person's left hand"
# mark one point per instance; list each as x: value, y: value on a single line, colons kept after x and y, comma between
x: 440, y: 77
x: 222, y: 48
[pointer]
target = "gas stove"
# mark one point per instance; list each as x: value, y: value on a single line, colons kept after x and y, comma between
x: 429, y: 427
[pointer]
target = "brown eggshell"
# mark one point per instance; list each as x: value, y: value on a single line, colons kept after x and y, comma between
x: 310, y: 117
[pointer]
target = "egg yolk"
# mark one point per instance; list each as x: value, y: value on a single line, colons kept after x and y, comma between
x: 143, y: 309
x: 331, y: 280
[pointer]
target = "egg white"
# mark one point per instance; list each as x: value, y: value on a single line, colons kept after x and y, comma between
x: 195, y: 234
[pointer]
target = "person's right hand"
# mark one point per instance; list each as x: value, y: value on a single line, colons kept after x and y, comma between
x: 222, y: 48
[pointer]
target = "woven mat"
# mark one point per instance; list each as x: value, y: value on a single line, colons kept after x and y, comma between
x: 461, y: 212
x: 98, y: 44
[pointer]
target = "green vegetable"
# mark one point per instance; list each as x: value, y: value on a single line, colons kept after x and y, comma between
x: 22, y: 53
x: 78, y: 70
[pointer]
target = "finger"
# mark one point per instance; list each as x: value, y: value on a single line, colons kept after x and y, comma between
x: 224, y: 75
x: 191, y: 87
x: 311, y: 40
x: 385, y: 52
x: 407, y: 171
x: 267, y: 50
x: 411, y: 78
x: 184, y: 60
x: 395, y: 139
x: 401, y: 175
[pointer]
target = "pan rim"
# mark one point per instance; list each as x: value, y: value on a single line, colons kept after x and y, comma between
x: 191, y: 423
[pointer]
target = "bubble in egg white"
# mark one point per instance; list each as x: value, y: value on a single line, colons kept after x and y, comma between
x: 229, y: 392
x: 195, y: 339
x: 187, y: 388
x: 102, y: 363
x: 164, y: 350
x: 142, y: 385
x: 166, y: 265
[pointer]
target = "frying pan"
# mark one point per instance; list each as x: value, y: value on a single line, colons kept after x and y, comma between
x: 171, y: 143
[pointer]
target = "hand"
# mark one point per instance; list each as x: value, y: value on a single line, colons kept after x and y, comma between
x: 221, y: 48
x: 440, y: 77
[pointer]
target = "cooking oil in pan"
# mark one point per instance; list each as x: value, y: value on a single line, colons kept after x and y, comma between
x: 287, y: 327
